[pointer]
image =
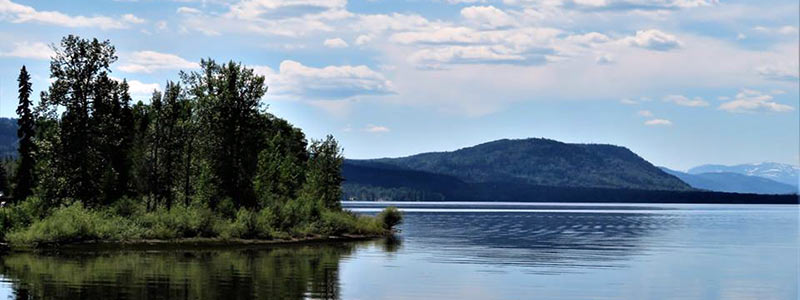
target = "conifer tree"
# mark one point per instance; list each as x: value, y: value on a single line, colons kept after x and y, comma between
x: 25, y: 174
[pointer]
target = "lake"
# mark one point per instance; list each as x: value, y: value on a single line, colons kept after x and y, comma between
x: 463, y: 251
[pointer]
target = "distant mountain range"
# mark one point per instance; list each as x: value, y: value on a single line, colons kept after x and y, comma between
x: 733, y: 182
x: 783, y: 173
x: 546, y: 170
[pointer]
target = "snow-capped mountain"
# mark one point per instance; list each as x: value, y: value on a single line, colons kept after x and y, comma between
x: 779, y: 172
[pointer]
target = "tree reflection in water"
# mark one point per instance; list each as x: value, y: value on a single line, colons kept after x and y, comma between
x: 286, y: 272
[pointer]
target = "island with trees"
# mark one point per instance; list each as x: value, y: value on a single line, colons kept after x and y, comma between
x: 201, y: 161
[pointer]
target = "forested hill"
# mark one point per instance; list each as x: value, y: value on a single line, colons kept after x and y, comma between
x: 8, y: 137
x: 544, y: 162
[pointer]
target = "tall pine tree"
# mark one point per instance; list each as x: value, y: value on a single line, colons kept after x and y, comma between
x: 25, y: 176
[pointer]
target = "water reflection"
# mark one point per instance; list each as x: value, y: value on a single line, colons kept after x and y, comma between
x: 277, y: 273
x: 582, y: 241
x: 612, y: 252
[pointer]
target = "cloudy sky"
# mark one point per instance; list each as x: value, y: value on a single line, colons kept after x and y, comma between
x: 680, y: 82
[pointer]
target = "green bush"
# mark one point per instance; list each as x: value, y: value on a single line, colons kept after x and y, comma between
x: 127, y: 219
x: 74, y: 223
x: 127, y: 207
x: 390, y: 217
x: 21, y: 214
x: 179, y: 222
x: 336, y: 222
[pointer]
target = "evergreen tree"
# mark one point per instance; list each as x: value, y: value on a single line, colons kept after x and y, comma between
x: 25, y: 171
x: 281, y: 165
x: 324, y: 173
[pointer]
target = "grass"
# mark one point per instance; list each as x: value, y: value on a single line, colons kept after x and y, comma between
x: 129, y: 221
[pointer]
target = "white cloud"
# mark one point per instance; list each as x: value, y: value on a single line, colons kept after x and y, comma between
x: 130, y: 18
x: 685, y: 101
x: 288, y: 18
x: 250, y: 9
x: 786, y: 30
x: 654, y: 40
x: 628, y: 101
x: 465, y: 45
x: 434, y: 57
x: 377, y: 23
x: 658, y: 122
x: 141, y: 88
x: 749, y: 101
x: 616, y: 5
x: 465, y: 1
x: 18, y: 13
x: 376, y: 129
x: 785, y: 72
x: 35, y: 50
x: 596, y: 3
x: 335, y: 43
x: 644, y: 113
x: 487, y: 16
x: 589, y: 39
x: 188, y: 10
x: 363, y: 40
x: 330, y: 82
x: 151, y: 61
x: 518, y: 38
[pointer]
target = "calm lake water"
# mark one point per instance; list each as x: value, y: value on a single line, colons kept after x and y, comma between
x: 463, y: 251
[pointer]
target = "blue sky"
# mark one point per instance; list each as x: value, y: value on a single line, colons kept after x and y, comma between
x: 680, y: 82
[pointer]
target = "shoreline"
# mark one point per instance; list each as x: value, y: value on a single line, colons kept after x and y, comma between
x: 188, y: 244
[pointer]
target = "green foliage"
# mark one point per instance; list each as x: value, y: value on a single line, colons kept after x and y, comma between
x: 281, y: 165
x: 202, y: 159
x: 22, y: 214
x: 179, y: 222
x: 75, y: 223
x: 390, y: 217
x: 24, y: 179
x: 343, y: 222
x: 83, y: 90
x: 231, y: 126
x: 249, y: 224
x: 323, y: 175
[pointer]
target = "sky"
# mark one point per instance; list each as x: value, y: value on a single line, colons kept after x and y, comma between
x: 680, y: 82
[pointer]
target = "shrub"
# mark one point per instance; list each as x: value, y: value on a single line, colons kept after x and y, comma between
x: 22, y: 214
x: 74, y: 223
x: 336, y: 222
x: 390, y: 217
x: 127, y: 207
x: 179, y: 222
x: 31, y: 223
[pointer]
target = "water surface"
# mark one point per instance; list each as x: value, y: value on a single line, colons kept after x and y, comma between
x: 463, y: 251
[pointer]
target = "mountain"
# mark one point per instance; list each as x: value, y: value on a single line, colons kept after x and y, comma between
x: 8, y: 137
x: 544, y: 162
x: 733, y: 182
x: 371, y: 181
x: 783, y: 173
